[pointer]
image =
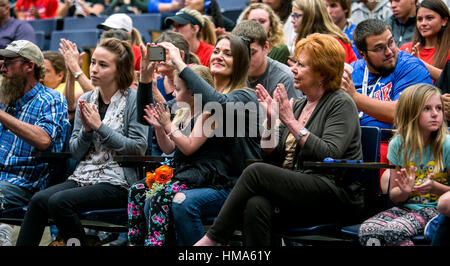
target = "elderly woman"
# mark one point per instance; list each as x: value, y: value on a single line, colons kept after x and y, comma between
x: 323, y: 124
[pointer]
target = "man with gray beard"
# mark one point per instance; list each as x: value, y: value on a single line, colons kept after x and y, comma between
x: 32, y: 118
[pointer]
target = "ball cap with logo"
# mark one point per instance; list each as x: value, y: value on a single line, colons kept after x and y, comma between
x: 25, y: 49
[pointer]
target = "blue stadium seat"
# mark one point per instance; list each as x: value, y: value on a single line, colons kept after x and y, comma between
x: 147, y: 23
x: 45, y: 27
x: 40, y: 40
x: 84, y: 39
x: 232, y: 8
x: 82, y: 23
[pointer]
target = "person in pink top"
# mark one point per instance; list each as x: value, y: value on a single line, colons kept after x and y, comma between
x: 431, y: 39
x: 35, y: 9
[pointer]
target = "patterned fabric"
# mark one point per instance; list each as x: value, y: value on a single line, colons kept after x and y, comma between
x: 99, y: 165
x: 395, y: 227
x: 41, y: 107
x: 137, y: 228
x: 161, y: 204
x: 155, y: 233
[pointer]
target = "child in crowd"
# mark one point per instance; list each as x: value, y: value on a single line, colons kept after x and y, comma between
x: 420, y: 150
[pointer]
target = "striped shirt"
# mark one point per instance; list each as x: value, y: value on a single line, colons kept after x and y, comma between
x: 41, y: 107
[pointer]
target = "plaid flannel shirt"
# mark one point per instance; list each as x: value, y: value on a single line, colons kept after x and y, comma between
x: 42, y: 107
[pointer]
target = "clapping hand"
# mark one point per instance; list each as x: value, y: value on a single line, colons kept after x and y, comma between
x: 163, y: 115
x: 150, y: 116
x: 267, y: 103
x: 426, y: 187
x: 405, y: 180
x: 89, y: 116
x: 286, y: 112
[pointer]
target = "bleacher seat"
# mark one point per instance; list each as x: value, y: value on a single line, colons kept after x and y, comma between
x: 84, y: 39
x: 46, y: 27
x: 147, y: 23
x: 84, y: 23
x: 232, y: 8
x: 40, y: 40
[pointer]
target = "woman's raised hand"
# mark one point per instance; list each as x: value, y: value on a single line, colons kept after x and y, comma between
x: 173, y: 56
x: 286, y: 112
x: 147, y: 66
x: 71, y: 55
x: 267, y: 103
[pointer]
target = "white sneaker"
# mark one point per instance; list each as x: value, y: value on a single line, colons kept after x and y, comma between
x: 6, y: 232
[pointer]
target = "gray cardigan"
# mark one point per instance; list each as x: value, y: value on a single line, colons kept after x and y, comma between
x: 134, y: 142
x: 335, y: 133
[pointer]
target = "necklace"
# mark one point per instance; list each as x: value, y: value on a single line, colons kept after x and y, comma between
x: 307, y: 115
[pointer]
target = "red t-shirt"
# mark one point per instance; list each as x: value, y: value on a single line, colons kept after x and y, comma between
x: 204, y: 53
x: 46, y: 8
x: 349, y: 54
x: 137, y: 57
x: 425, y: 54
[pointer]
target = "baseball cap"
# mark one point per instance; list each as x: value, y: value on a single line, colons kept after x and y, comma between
x: 117, y: 21
x: 182, y: 18
x: 25, y: 49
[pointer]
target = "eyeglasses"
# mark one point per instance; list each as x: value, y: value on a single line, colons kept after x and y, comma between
x: 296, y: 16
x: 7, y: 63
x: 382, y: 47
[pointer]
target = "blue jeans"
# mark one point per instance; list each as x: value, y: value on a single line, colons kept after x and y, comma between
x: 199, y: 202
x: 14, y: 196
x: 442, y: 234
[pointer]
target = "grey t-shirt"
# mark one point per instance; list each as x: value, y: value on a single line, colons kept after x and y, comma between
x: 275, y: 73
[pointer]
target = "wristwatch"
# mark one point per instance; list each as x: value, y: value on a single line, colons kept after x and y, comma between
x: 303, y: 132
x: 77, y: 75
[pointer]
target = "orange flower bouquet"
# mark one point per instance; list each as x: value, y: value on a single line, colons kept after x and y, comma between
x: 157, y: 180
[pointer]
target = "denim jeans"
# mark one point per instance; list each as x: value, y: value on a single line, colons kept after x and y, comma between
x: 199, y: 202
x: 442, y: 234
x: 14, y: 196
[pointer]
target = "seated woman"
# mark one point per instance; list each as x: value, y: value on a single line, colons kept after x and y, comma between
x: 311, y: 16
x: 323, y: 124
x: 105, y: 125
x: 265, y: 16
x: 229, y: 65
x: 431, y: 39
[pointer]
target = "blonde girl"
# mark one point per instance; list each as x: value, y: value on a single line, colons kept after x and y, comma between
x: 420, y: 150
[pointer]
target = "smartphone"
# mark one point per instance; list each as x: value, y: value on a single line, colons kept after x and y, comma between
x: 157, y: 53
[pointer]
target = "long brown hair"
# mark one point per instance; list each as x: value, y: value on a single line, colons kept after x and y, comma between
x: 441, y: 53
x: 240, y: 51
x: 124, y: 61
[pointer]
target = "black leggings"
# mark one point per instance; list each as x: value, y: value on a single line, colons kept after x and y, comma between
x: 262, y: 190
x: 62, y: 203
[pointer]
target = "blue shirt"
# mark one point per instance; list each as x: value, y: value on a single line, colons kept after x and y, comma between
x: 408, y: 71
x: 41, y: 107
x: 154, y: 4
x: 348, y: 30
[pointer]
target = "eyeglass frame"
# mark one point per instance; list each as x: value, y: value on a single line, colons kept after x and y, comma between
x: 382, y: 48
x: 7, y: 63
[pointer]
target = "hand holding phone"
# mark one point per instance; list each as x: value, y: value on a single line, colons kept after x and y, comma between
x: 156, y: 53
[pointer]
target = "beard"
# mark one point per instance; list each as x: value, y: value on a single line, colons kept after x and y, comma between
x: 12, y: 88
x: 382, y: 70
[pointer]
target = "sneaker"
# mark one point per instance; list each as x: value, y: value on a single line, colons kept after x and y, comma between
x: 431, y: 226
x: 6, y: 232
